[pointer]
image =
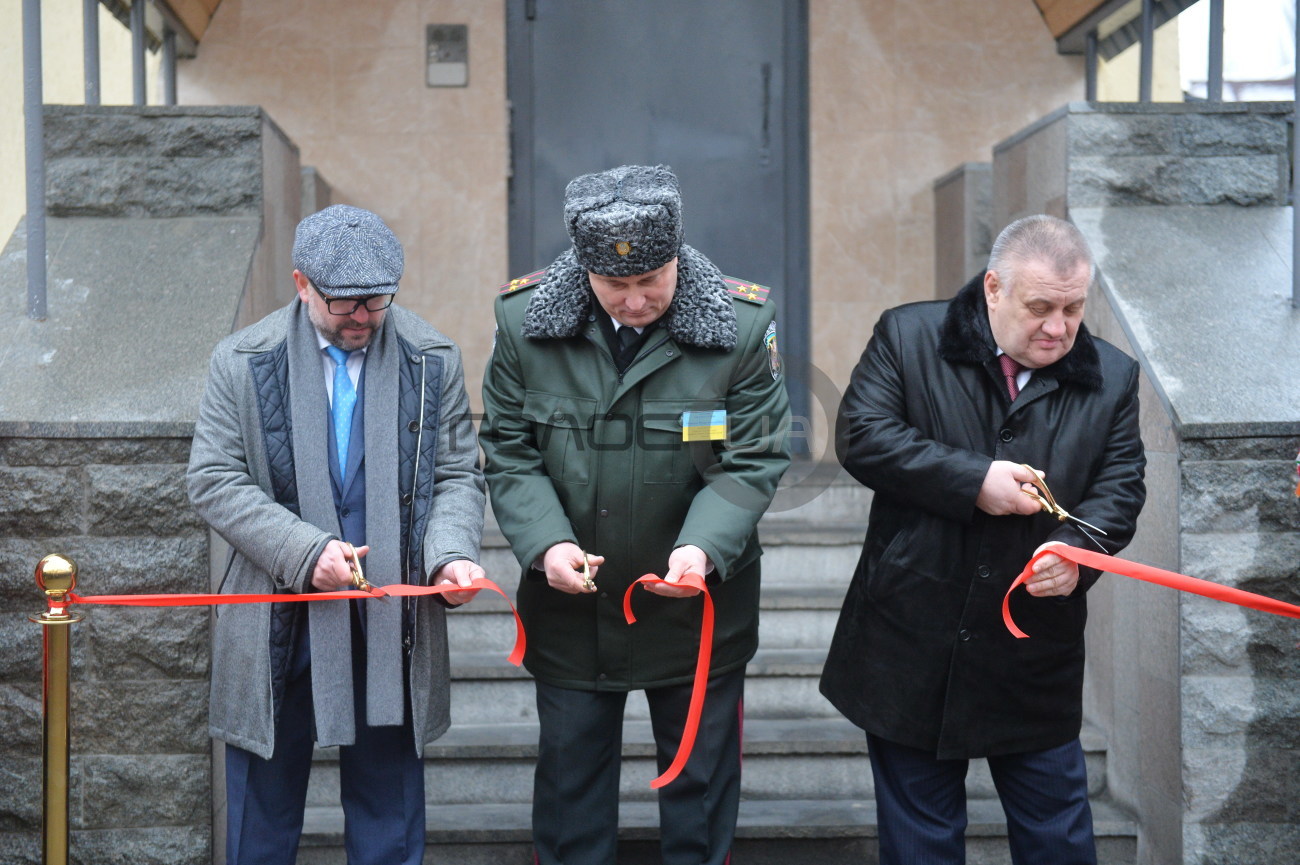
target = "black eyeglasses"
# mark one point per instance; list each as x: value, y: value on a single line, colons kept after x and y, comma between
x: 349, y: 305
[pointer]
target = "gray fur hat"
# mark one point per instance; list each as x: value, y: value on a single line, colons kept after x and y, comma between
x: 624, y: 221
x: 348, y: 252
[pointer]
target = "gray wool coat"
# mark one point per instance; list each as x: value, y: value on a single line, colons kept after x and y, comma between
x: 275, y: 551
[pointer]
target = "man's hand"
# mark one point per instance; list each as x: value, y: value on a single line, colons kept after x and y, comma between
x: 562, y: 565
x: 1001, y: 493
x: 332, y: 571
x: 458, y: 572
x: 1053, y: 575
x: 688, y: 559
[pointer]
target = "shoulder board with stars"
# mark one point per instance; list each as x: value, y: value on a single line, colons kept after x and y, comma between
x: 750, y: 291
x: 523, y: 282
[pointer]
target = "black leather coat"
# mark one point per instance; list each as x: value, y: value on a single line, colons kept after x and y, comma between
x: 920, y: 655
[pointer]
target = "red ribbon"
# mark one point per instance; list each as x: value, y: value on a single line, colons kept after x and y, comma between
x: 1181, y: 582
x: 701, y: 671
x: 398, y: 590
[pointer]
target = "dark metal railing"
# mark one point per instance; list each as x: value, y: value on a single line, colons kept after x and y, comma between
x: 1295, y: 160
x: 1213, y: 87
x: 34, y: 119
x: 139, y: 95
x: 1147, y: 63
x: 169, y: 66
x: 1214, y: 84
x: 34, y: 122
x: 90, y: 42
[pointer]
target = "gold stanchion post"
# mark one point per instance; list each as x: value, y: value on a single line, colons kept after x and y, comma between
x: 56, y: 576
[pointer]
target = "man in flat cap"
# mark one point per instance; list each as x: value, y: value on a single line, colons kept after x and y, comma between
x: 634, y: 423
x: 335, y: 428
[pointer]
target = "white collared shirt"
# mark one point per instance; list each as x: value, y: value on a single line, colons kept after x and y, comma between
x: 353, y: 366
x: 1022, y: 378
x: 618, y: 325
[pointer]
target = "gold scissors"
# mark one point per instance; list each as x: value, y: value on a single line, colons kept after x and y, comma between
x: 354, y: 564
x: 588, y: 584
x: 1047, y: 502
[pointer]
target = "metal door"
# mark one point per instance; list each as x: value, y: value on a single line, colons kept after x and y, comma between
x: 716, y: 89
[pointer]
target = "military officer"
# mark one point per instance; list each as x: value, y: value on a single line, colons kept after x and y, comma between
x: 634, y: 423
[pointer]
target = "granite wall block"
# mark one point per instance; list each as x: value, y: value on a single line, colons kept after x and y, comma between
x: 109, y: 717
x: 1241, y: 711
x: 80, y: 451
x: 39, y: 502
x: 1238, y: 496
x: 1240, y: 843
x: 1190, y: 134
x: 170, y: 845
x: 116, y: 161
x: 113, y: 786
x: 139, y: 500
x: 1099, y: 181
x: 20, y: 811
x: 141, y: 756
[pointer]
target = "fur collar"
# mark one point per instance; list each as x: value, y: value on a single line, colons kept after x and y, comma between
x: 701, y: 313
x: 966, y: 338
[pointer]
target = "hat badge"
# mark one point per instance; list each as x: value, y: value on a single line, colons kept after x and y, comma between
x: 622, y: 247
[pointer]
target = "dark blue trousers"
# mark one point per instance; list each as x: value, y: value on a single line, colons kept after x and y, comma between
x: 921, y: 805
x: 575, y: 791
x: 382, y: 785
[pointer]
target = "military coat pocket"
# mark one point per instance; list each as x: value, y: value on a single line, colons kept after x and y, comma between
x: 563, y: 426
x: 667, y: 458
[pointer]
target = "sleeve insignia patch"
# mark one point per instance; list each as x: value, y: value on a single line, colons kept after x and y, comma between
x: 773, y: 355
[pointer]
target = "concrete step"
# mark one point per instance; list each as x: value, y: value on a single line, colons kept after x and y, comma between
x: 805, y: 494
x: 782, y: 683
x: 814, y: 531
x: 783, y: 759
x: 494, y: 763
x: 794, y: 554
x: 808, y: 494
x: 790, y: 617
x: 769, y: 832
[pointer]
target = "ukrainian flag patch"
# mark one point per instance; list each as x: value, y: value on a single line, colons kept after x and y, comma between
x: 704, y: 426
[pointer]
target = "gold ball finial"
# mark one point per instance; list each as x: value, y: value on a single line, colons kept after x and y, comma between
x: 56, y: 575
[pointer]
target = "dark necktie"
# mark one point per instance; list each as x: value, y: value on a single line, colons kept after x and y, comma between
x: 345, y: 398
x: 627, y: 336
x: 1010, y: 369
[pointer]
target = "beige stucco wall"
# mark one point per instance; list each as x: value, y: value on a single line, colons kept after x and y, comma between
x: 64, y: 83
x: 901, y: 92
x: 1117, y: 79
x: 345, y: 80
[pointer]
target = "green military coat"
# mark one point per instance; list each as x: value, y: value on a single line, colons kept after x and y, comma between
x: 578, y: 452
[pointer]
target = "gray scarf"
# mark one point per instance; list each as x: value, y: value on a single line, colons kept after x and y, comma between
x: 330, y: 621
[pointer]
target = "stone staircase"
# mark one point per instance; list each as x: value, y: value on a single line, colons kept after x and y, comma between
x: 806, y: 787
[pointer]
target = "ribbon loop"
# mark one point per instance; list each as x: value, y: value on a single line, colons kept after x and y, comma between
x: 701, y: 683
x: 1146, y: 573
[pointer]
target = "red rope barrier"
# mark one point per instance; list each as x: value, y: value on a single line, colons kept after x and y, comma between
x: 1146, y: 573
x: 701, y: 671
x: 397, y: 590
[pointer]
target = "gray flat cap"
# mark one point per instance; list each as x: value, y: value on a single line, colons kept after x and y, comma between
x: 624, y: 221
x: 348, y: 252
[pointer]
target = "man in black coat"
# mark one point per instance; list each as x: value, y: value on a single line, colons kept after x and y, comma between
x: 949, y: 403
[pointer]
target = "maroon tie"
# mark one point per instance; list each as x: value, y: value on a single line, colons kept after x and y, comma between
x: 1011, y: 369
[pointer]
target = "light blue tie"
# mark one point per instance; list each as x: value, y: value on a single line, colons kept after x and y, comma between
x: 345, y: 398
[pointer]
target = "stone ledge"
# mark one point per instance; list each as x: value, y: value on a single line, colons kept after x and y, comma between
x: 1166, y: 269
x: 84, y: 372
x: 771, y: 819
